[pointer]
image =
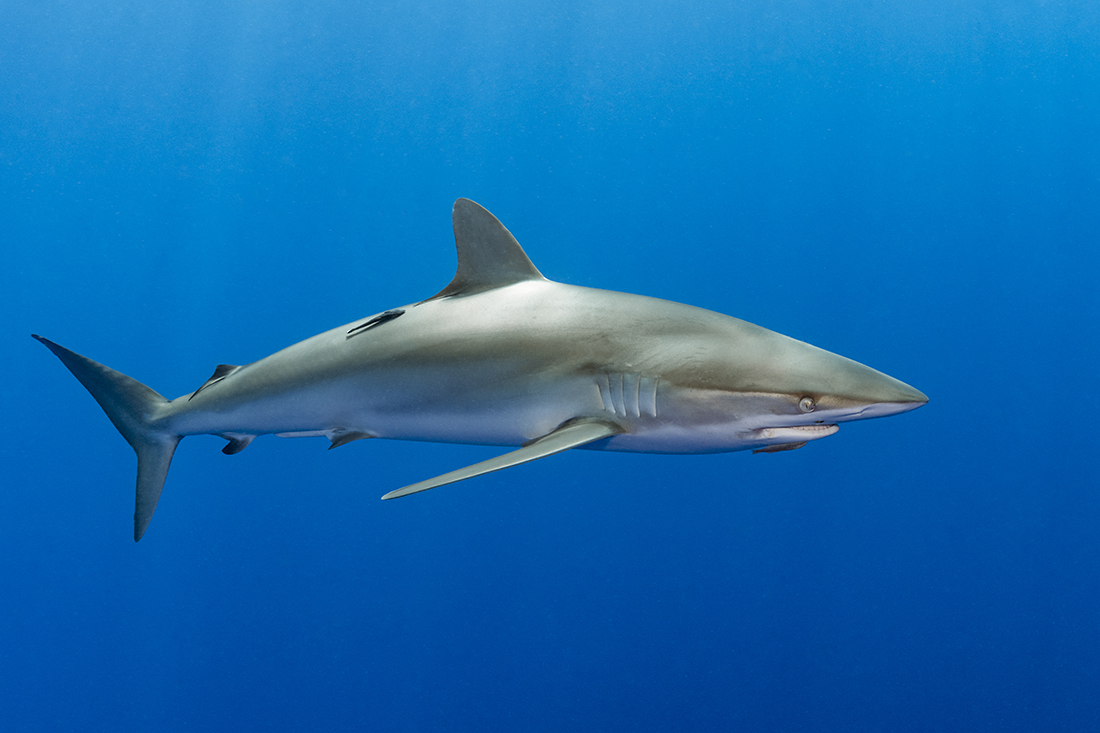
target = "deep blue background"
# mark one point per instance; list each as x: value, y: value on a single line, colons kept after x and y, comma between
x: 913, y: 184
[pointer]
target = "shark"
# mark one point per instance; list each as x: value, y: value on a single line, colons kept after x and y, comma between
x: 503, y: 356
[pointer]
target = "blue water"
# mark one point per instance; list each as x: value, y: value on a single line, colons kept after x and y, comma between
x: 915, y: 185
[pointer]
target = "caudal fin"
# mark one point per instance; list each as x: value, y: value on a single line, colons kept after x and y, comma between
x: 133, y: 408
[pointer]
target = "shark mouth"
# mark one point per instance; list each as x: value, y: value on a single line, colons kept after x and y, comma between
x: 788, y: 438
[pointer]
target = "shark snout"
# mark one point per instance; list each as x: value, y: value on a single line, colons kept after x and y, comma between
x: 892, y: 397
x: 909, y: 395
x: 885, y: 409
x: 904, y: 399
x: 854, y: 391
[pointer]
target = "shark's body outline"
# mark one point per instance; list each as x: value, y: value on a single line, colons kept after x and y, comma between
x: 504, y: 356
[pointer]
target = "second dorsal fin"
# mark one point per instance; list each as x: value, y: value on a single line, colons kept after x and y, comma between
x: 488, y: 255
x: 220, y: 372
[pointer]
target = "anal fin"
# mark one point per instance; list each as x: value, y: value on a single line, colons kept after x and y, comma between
x: 571, y: 434
x: 343, y: 438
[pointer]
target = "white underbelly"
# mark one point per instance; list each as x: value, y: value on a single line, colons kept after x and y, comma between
x: 505, y: 412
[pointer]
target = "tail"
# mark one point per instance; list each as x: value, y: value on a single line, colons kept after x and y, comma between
x: 133, y: 408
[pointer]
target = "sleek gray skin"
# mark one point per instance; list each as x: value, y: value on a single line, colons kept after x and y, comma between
x: 503, y: 356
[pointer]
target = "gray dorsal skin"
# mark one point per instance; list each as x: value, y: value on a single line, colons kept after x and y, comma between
x: 503, y: 356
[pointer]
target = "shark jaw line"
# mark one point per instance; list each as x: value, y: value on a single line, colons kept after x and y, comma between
x: 789, y: 434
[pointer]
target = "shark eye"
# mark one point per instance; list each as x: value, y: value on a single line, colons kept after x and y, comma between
x: 807, y: 404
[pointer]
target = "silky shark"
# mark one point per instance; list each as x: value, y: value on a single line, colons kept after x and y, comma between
x: 503, y: 356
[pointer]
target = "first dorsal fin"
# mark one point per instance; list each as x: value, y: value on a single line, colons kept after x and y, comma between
x: 488, y: 255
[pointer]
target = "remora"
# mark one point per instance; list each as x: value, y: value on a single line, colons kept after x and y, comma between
x: 503, y: 356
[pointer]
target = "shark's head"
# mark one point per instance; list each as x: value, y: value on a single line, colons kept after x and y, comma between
x: 770, y: 392
x: 802, y: 392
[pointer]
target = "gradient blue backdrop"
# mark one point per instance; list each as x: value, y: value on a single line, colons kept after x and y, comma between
x: 912, y: 184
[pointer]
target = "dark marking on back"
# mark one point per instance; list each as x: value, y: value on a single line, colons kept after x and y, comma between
x: 377, y: 320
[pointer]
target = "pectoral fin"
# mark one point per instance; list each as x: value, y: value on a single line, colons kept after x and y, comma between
x: 781, y: 447
x: 572, y: 434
